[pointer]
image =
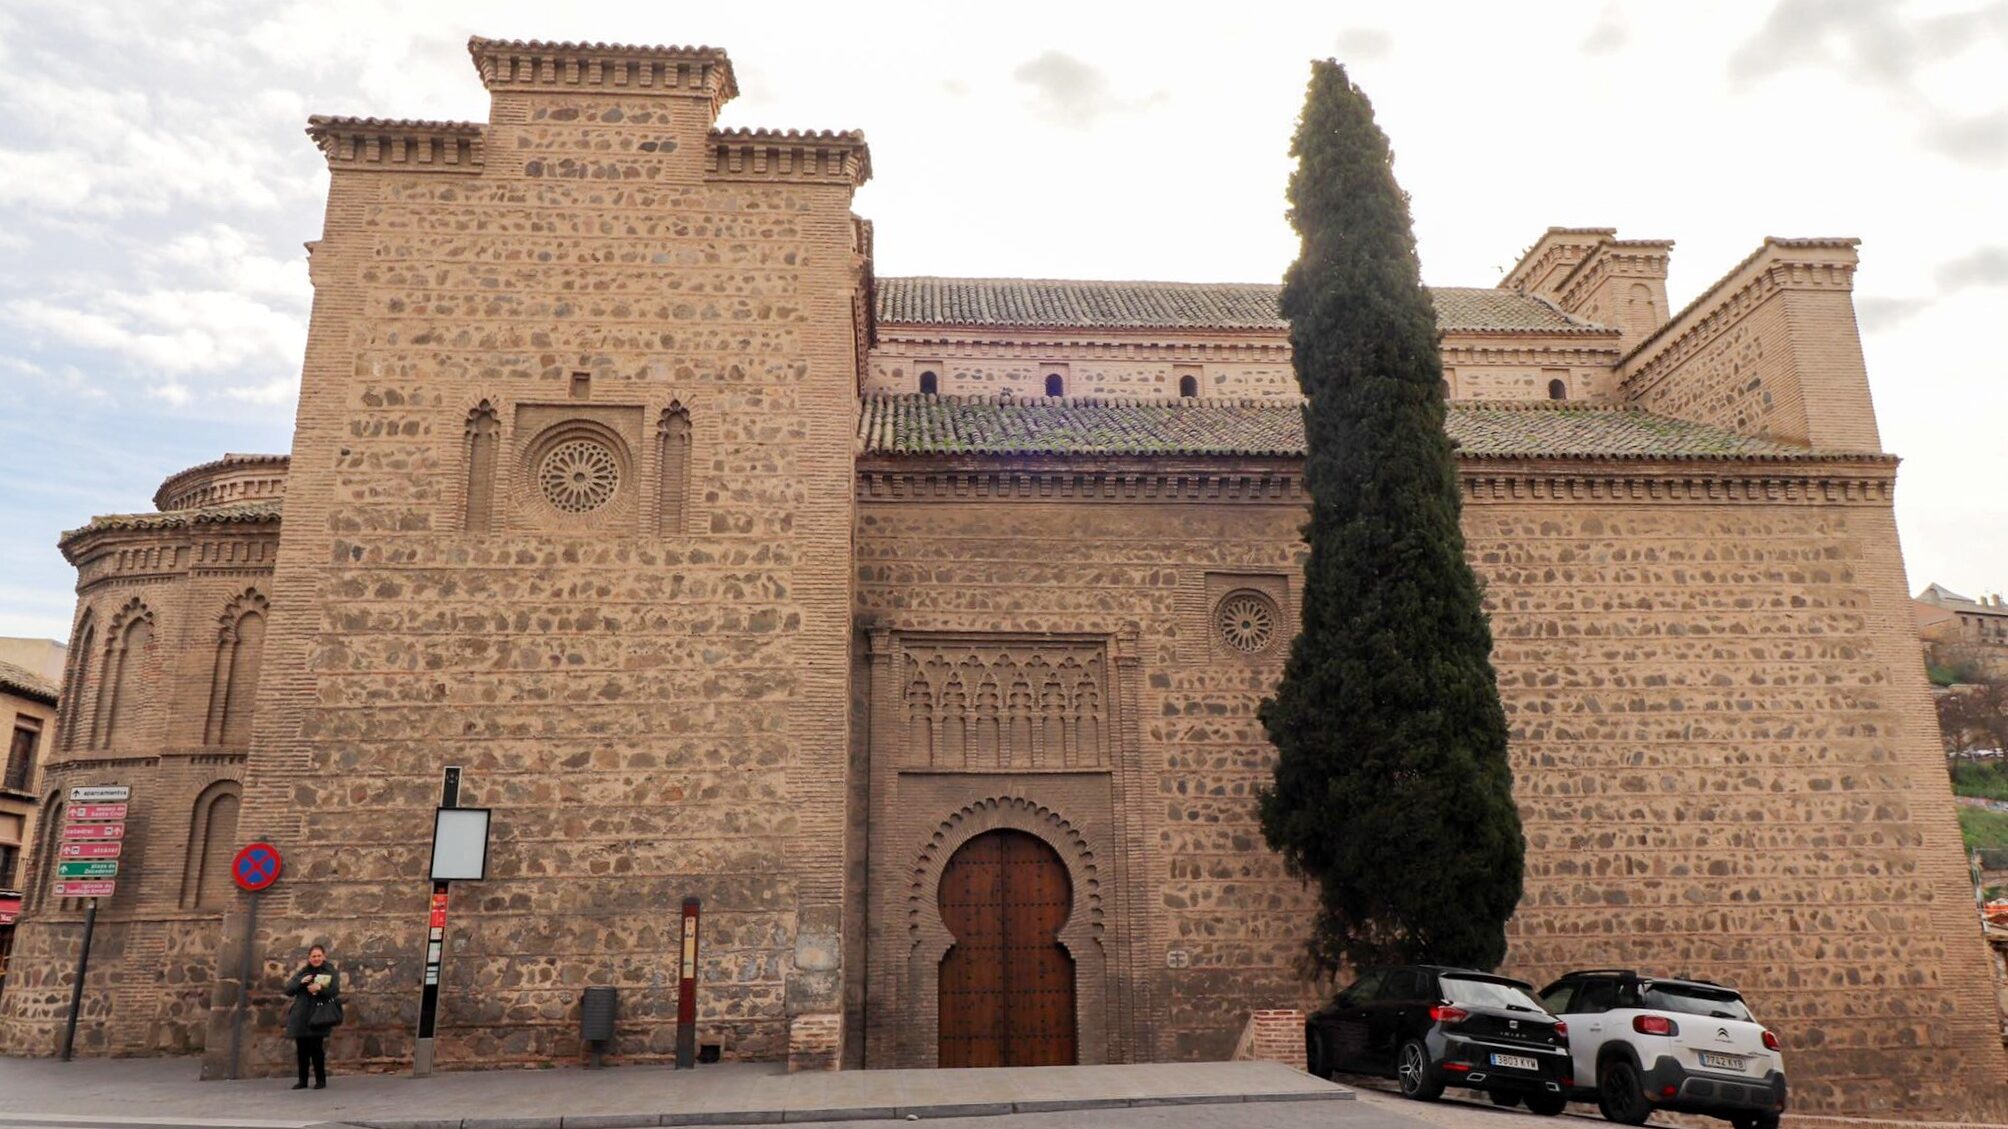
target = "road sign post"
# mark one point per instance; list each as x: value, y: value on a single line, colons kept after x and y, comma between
x: 255, y: 867
x: 87, y: 867
x: 459, y: 851
x: 686, y: 990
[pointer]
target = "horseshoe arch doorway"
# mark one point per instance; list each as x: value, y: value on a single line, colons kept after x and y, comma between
x: 1007, y: 984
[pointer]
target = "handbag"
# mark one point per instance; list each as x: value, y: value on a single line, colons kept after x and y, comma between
x: 325, y: 1016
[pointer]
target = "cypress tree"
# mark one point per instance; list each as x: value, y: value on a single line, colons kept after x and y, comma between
x: 1392, y: 789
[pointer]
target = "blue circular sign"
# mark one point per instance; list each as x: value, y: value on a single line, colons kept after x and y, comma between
x: 256, y: 866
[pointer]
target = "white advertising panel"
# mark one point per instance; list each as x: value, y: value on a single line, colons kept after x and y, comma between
x: 460, y: 844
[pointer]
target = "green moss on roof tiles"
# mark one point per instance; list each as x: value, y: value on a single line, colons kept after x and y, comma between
x: 918, y: 425
x: 262, y: 510
x: 1083, y: 304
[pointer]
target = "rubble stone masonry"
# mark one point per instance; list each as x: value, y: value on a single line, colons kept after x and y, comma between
x: 614, y: 483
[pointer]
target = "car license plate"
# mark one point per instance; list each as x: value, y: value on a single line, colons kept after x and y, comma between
x: 1722, y: 1062
x: 1515, y: 1062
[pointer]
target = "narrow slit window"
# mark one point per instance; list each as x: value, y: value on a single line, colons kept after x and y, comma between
x: 674, y: 435
x: 484, y: 433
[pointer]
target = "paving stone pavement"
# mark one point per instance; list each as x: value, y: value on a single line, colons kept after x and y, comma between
x: 165, y: 1093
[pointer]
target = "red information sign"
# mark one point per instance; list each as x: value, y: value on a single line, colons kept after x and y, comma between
x: 89, y: 889
x: 94, y: 831
x: 10, y: 908
x: 89, y: 850
x: 96, y: 813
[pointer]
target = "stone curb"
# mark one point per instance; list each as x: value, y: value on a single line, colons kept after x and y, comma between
x: 101, y: 1121
x: 857, y: 1113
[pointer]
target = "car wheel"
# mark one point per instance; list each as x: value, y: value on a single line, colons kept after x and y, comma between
x: 1755, y: 1121
x: 1502, y: 1099
x: 1546, y: 1105
x: 1315, y: 1059
x: 1621, y: 1094
x: 1412, y: 1071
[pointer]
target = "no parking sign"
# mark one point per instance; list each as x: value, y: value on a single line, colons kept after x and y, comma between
x: 255, y: 867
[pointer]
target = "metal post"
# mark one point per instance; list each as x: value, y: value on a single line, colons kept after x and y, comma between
x: 435, y: 941
x: 77, y: 989
x: 686, y: 991
x: 243, y: 987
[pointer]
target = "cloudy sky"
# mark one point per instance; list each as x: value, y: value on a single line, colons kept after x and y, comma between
x: 155, y: 186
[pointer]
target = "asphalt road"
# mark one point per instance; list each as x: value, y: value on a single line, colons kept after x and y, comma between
x: 1373, y: 1109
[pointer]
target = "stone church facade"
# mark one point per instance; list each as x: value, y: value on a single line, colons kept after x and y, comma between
x: 858, y: 607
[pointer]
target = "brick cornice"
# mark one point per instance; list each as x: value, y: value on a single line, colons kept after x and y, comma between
x: 1841, y: 480
x: 398, y: 144
x: 812, y: 156
x: 1506, y: 352
x: 529, y: 64
x: 1852, y: 480
x: 908, y: 480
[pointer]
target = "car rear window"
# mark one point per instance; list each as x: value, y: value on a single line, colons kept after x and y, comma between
x: 1716, y: 1004
x: 1486, y: 993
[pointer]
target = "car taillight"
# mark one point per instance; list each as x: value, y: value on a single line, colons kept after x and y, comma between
x: 1770, y: 1041
x: 1654, y: 1025
x: 1445, y: 1013
x: 1561, y: 1029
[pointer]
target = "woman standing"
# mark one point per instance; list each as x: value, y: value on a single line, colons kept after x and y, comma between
x: 318, y: 980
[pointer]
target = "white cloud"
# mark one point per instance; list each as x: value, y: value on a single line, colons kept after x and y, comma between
x: 1357, y: 44
x: 1074, y: 92
x: 157, y: 187
x: 171, y: 332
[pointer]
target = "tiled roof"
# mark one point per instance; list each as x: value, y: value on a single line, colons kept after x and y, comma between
x: 1070, y: 304
x: 261, y: 510
x: 956, y: 425
x: 912, y: 424
x: 20, y: 680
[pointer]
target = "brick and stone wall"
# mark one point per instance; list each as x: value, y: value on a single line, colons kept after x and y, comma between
x: 577, y: 507
x: 648, y: 688
x: 1772, y: 349
x: 1723, y: 755
x: 170, y: 616
x: 1198, y: 924
x: 1728, y: 768
x: 1272, y: 1035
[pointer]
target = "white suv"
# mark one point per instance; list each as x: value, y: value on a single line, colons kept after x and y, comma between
x: 1642, y: 1043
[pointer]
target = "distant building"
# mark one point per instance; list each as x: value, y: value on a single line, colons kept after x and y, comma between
x: 30, y: 701
x: 1945, y: 616
x: 43, y: 658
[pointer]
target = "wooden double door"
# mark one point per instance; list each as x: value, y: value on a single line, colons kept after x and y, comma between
x: 1006, y: 985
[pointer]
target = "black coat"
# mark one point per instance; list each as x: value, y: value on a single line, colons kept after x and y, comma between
x: 303, y: 1000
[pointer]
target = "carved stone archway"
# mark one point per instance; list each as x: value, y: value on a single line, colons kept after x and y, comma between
x: 928, y: 938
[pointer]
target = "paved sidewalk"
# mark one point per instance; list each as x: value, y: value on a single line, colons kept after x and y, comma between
x: 166, y: 1092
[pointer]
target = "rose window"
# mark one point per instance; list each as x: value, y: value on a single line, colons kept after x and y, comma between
x: 1247, y: 622
x: 579, y: 476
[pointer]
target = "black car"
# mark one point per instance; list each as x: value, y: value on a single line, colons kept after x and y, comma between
x: 1430, y: 1027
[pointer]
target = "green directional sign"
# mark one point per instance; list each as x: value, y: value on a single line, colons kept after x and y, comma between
x: 87, y: 869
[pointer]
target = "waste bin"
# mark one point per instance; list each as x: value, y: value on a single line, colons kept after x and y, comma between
x: 596, y: 1020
